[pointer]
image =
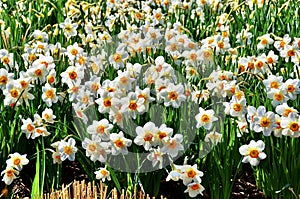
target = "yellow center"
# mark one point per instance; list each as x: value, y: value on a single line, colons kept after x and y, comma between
x: 17, y: 161
x: 5, y: 60
x: 221, y: 44
x: 270, y: 60
x: 191, y: 173
x: 294, y: 126
x: 68, y: 28
x: 103, y: 172
x: 100, y: 129
x: 274, y: 85
x: 14, y: 93
x: 265, y: 122
x: 3, y: 80
x: 119, y: 143
x: 162, y: 135
x: 38, y: 72
x: 107, y: 102
x: 68, y: 150
x: 117, y: 58
x: 254, y: 153
x: 290, y: 53
x: 50, y: 94
x: 173, y: 95
x: 30, y: 128
x: 195, y: 187
x: 287, y: 112
x: 205, y: 118
x: 264, y: 41
x: 290, y: 88
x: 92, y: 147
x: 278, y: 96
x: 172, y: 144
x: 148, y: 137
x: 72, y: 75
x: 9, y: 173
x: 158, y: 16
x: 237, y: 107
x: 74, y: 51
x: 132, y: 105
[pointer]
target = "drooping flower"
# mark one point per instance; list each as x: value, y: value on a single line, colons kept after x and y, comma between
x: 156, y: 157
x: 9, y: 174
x: 194, y: 189
x: 213, y: 137
x: 173, y: 145
x: 17, y: 161
x: 103, y: 174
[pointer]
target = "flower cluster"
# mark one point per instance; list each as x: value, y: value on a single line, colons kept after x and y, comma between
x: 158, y: 141
x: 38, y: 127
x: 64, y: 150
x: 13, y: 167
x: 190, y: 176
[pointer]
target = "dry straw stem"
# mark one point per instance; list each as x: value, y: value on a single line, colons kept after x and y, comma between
x: 81, y: 190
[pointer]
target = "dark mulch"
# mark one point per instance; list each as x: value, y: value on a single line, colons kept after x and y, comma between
x: 244, y: 187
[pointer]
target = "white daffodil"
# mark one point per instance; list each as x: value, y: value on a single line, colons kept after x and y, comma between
x: 291, y: 125
x: 103, y: 174
x: 67, y: 149
x: 101, y: 128
x: 146, y: 135
x: 264, y: 121
x: 205, y: 118
x: 119, y: 143
x: 9, y: 174
x: 253, y: 152
x: 49, y: 95
x: 17, y: 161
x: 194, y: 189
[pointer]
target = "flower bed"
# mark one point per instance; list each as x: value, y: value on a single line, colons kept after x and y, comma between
x: 144, y: 92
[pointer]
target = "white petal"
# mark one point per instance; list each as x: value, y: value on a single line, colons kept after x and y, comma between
x: 254, y: 161
x: 244, y: 149
x: 262, y: 155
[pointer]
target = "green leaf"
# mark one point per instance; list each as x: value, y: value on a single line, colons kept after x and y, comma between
x: 114, y: 178
x: 35, y: 191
